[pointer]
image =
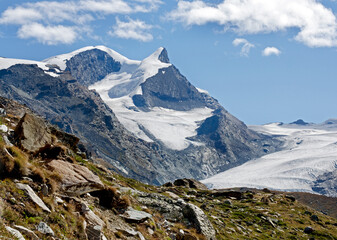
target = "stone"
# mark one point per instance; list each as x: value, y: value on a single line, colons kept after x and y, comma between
x: 170, y: 208
x: 290, y: 197
x: 2, y: 112
x: 196, y: 216
x: 58, y: 200
x: 27, y: 232
x: 235, y: 195
x: 308, y: 230
x: 44, y: 189
x: 15, y: 233
x: 76, y: 179
x: 32, y: 133
x: 32, y: 195
x: 314, y: 218
x: 132, y: 215
x: 228, y: 202
x: 3, y: 128
x: 190, y: 183
x: 172, y: 195
x: 45, y: 229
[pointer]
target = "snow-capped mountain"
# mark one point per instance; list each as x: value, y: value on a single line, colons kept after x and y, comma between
x: 143, y: 117
x: 308, y: 161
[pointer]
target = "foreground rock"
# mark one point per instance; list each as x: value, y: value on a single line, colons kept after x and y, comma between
x: 132, y: 215
x: 32, y: 195
x: 45, y: 229
x: 76, y: 179
x: 15, y: 233
x: 200, y: 220
x: 32, y: 133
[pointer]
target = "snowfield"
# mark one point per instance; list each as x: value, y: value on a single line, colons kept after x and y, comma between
x: 309, y: 152
x: 170, y: 127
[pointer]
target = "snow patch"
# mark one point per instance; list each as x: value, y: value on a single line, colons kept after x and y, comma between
x: 61, y: 60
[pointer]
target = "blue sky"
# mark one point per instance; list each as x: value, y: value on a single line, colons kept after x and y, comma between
x: 265, y: 61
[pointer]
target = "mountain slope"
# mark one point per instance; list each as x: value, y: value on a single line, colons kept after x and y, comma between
x: 307, y: 163
x: 152, y: 124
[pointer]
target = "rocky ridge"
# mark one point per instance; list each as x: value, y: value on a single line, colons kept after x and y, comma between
x: 105, y: 205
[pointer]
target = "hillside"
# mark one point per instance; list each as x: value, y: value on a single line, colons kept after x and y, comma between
x: 50, y: 190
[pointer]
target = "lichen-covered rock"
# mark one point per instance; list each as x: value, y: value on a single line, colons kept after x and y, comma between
x: 45, y: 229
x: 76, y: 179
x: 32, y: 133
x: 200, y: 220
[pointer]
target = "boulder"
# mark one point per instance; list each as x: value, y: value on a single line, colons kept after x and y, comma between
x: 15, y: 233
x: 308, y: 230
x: 171, y: 209
x: 190, y: 183
x: 32, y: 133
x: 32, y: 195
x: 201, y: 222
x: 45, y: 229
x: 76, y: 179
x: 135, y: 216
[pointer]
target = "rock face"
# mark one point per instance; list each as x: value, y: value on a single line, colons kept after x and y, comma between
x: 91, y: 65
x: 32, y: 133
x: 76, y: 180
x: 32, y: 195
x: 326, y: 184
x: 169, y: 89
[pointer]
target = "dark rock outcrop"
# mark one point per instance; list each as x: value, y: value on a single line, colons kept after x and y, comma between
x: 91, y: 66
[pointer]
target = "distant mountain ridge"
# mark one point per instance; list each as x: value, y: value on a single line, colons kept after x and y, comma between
x: 174, y: 129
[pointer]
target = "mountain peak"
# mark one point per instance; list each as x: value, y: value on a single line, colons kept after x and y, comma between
x: 163, y: 56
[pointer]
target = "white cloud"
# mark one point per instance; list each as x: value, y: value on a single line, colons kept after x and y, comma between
x: 316, y: 24
x: 268, y: 51
x: 50, y: 35
x: 72, y: 17
x: 19, y: 15
x: 132, y: 29
x: 246, y: 46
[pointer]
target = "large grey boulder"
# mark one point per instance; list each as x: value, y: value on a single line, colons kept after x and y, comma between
x: 132, y: 215
x: 32, y: 195
x: 76, y: 179
x: 195, y: 215
x: 32, y: 133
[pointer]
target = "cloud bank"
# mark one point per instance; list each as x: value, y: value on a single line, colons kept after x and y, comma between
x: 62, y: 22
x: 316, y: 24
